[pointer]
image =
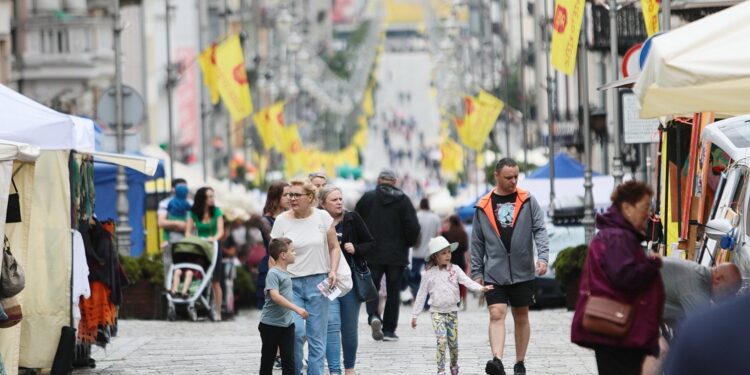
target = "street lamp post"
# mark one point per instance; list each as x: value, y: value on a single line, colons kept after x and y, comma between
x: 522, y: 72
x: 550, y: 110
x: 617, y: 159
x: 123, y: 227
x: 583, y: 95
x: 171, y: 82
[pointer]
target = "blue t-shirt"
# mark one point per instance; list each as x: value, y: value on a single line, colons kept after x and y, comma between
x: 273, y: 314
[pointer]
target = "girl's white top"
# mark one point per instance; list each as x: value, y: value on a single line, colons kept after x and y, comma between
x: 442, y: 286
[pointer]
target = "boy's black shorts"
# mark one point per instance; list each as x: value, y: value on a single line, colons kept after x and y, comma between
x: 517, y: 295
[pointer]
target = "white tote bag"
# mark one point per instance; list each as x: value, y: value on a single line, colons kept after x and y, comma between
x: 343, y: 272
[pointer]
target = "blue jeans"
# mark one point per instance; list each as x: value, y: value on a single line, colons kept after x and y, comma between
x: 343, y: 317
x: 308, y: 297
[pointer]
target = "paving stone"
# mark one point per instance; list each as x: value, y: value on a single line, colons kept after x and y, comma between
x: 233, y: 347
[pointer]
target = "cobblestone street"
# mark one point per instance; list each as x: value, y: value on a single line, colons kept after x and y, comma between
x: 233, y: 347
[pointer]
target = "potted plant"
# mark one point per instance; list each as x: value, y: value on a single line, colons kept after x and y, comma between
x: 142, y: 299
x: 567, y: 267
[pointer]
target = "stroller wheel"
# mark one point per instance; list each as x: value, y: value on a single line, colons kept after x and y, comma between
x: 171, y: 313
x: 192, y: 313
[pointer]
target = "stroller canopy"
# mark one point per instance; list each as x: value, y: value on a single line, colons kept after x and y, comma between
x: 194, y: 246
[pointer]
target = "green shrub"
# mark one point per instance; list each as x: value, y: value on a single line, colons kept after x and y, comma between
x: 569, y: 263
x: 145, y: 267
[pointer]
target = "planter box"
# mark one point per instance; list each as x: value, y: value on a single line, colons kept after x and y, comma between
x: 142, y: 300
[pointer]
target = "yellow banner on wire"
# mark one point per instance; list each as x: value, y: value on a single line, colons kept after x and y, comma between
x: 566, y: 28
x: 650, y: 9
x: 231, y: 78
x: 207, y: 60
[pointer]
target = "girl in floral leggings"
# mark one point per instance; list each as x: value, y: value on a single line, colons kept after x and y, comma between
x: 440, y: 281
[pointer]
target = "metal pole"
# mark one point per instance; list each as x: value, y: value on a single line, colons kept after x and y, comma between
x: 507, y: 77
x: 522, y: 65
x: 617, y: 171
x: 550, y: 112
x: 170, y: 85
x: 123, y: 227
x: 205, y: 111
x: 230, y: 123
x: 583, y: 95
x: 666, y: 11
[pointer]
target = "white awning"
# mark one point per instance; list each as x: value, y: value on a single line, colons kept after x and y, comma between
x: 699, y: 67
x: 141, y: 164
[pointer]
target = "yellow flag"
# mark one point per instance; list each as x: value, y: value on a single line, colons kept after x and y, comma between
x: 650, y: 10
x: 275, y: 123
x: 207, y: 59
x: 488, y: 109
x: 480, y: 114
x: 360, y: 139
x: 293, y: 151
x: 232, y: 78
x: 367, y: 103
x: 464, y: 126
x: 270, y: 124
x: 452, y: 161
x: 566, y: 26
x: 262, y: 125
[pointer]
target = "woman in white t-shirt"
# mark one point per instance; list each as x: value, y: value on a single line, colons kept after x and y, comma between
x: 317, y: 258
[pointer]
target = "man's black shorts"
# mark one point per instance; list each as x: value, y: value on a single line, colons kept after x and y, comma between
x: 516, y: 295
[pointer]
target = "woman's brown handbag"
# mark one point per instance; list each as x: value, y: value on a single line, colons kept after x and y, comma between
x: 607, y: 317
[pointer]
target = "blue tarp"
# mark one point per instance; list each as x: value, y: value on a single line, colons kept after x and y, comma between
x: 105, y: 180
x: 565, y: 167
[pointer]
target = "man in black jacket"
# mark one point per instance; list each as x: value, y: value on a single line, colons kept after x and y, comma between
x: 392, y: 220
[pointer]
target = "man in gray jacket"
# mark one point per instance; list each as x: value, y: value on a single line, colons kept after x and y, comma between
x: 507, y: 223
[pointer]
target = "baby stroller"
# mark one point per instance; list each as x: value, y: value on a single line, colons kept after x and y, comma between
x: 198, y: 255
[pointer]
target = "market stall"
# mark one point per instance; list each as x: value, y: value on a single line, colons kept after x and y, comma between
x: 691, y: 76
x: 47, y: 211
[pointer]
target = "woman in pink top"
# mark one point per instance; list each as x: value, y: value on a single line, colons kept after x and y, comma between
x: 440, y: 281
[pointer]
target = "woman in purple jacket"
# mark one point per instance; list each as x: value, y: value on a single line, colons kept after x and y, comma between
x: 617, y: 267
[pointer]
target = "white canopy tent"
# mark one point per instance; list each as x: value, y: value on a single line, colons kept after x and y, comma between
x: 45, y: 197
x: 699, y: 67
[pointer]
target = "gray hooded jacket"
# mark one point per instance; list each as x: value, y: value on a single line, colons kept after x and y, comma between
x: 490, y: 260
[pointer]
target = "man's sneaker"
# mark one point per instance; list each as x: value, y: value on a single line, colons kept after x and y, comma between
x: 377, y: 329
x: 277, y: 365
x: 494, y: 367
x: 519, y: 369
x: 454, y: 370
x: 389, y: 336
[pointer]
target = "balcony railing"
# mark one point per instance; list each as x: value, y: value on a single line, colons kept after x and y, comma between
x: 630, y: 29
x: 77, y: 44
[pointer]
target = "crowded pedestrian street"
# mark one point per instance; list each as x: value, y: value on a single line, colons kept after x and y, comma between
x: 233, y: 347
x: 374, y: 187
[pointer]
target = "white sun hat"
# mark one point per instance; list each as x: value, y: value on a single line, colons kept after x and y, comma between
x: 439, y: 243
